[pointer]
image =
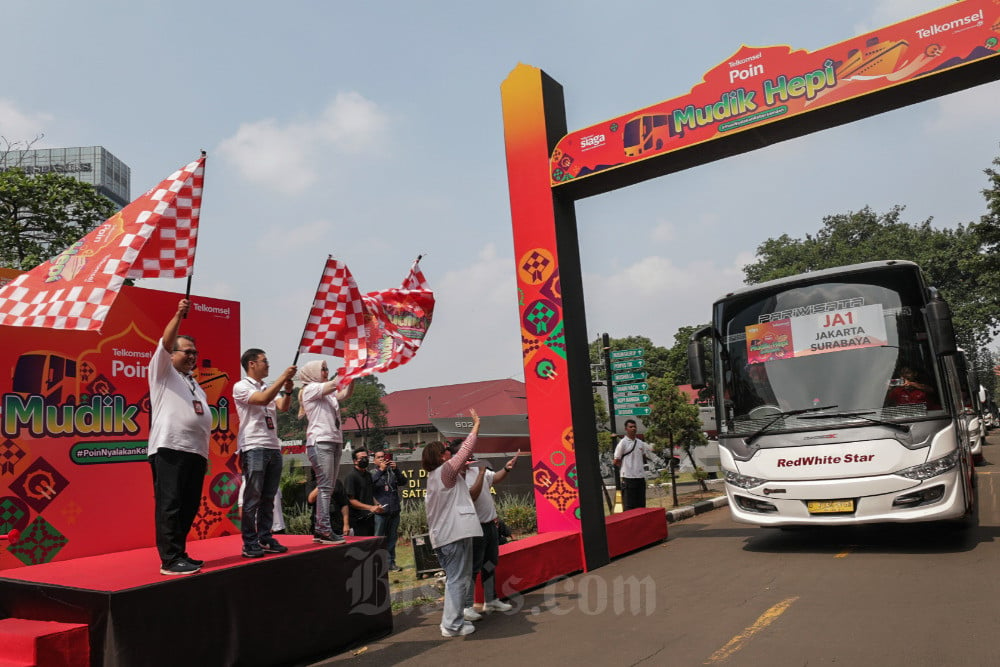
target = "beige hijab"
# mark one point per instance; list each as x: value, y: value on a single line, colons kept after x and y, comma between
x: 311, y: 372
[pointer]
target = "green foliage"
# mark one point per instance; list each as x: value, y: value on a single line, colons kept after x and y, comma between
x: 298, y: 517
x: 293, y: 483
x: 672, y: 421
x: 412, y: 519
x: 366, y: 409
x: 518, y: 512
x: 290, y: 425
x: 43, y: 214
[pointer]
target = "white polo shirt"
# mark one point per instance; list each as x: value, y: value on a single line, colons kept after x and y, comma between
x: 258, y: 423
x: 323, y: 412
x: 632, y: 464
x: 486, y: 509
x: 174, y: 422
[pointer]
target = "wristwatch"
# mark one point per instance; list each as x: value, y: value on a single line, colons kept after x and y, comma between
x: 508, y: 468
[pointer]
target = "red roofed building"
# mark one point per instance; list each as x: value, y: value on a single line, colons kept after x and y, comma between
x: 418, y: 416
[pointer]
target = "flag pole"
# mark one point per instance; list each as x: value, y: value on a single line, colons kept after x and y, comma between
x: 298, y: 350
x: 187, y: 289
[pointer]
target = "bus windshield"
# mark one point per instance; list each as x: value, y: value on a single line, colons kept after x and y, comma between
x: 837, y: 353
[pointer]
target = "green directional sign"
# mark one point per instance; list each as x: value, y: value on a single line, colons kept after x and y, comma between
x: 632, y: 411
x: 626, y: 354
x: 634, y: 398
x: 627, y: 364
x: 629, y: 377
x: 635, y: 386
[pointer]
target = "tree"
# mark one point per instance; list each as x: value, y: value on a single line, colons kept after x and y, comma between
x: 674, y: 421
x: 952, y: 259
x: 604, y: 437
x: 43, y: 214
x: 290, y: 425
x: 366, y: 409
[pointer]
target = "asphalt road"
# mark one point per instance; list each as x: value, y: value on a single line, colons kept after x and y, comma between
x: 718, y: 592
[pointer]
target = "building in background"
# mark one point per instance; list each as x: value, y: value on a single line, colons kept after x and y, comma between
x: 88, y: 164
x: 419, y: 416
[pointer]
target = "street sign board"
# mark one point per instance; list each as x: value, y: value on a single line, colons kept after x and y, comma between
x: 627, y: 364
x: 626, y: 388
x: 631, y: 411
x: 629, y: 377
x: 626, y: 354
x: 634, y: 398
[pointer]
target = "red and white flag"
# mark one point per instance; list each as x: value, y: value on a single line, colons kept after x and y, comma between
x: 372, y: 333
x: 153, y: 237
x: 336, y: 320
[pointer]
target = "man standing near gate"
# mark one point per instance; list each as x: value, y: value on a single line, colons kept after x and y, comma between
x: 630, y: 455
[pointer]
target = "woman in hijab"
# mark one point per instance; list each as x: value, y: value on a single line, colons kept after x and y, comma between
x: 320, y: 400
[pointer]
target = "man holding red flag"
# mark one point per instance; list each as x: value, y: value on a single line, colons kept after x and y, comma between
x: 180, y: 424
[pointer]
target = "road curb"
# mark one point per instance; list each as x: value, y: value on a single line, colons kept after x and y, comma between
x: 688, y: 511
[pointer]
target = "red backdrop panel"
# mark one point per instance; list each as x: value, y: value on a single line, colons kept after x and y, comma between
x: 74, y: 418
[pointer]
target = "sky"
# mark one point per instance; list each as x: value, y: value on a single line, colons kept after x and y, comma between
x: 373, y: 132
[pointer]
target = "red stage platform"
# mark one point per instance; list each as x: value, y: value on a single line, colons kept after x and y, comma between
x: 282, y: 609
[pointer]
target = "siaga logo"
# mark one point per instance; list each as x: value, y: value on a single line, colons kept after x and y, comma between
x: 592, y: 141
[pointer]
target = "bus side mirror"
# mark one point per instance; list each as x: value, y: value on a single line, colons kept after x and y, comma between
x: 696, y: 358
x: 940, y: 327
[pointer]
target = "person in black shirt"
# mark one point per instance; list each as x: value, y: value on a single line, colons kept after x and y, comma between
x: 361, y: 496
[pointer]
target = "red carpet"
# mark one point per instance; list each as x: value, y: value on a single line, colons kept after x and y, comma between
x: 141, y: 567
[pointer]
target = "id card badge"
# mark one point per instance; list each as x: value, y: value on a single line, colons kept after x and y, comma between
x: 199, y: 409
x: 269, y: 422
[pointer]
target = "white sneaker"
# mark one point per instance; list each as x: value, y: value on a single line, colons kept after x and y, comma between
x: 467, y: 629
x: 471, y: 614
x: 497, y: 605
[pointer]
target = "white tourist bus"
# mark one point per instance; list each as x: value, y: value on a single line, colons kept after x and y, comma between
x: 838, y: 399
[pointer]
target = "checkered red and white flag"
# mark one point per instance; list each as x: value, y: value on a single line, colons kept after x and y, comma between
x: 336, y: 323
x: 153, y: 237
x: 373, y: 333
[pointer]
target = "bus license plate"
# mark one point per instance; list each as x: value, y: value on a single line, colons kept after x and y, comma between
x: 830, y: 506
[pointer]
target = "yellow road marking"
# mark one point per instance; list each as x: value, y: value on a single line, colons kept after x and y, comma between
x: 845, y: 552
x: 737, y: 642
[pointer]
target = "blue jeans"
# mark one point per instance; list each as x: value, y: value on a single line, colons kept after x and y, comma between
x: 387, y: 526
x: 456, y: 560
x: 325, y: 460
x: 485, y: 556
x: 261, y: 475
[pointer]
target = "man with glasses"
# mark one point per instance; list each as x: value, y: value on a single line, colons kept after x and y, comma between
x: 179, y: 427
x: 257, y: 405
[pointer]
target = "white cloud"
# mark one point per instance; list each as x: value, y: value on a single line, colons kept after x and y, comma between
x: 283, y: 239
x: 962, y: 111
x: 17, y: 126
x: 663, y: 231
x: 290, y: 158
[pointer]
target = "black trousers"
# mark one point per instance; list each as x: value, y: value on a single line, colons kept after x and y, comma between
x: 177, y: 481
x: 633, y: 493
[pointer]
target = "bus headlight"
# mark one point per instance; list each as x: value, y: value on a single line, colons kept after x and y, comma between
x: 743, y: 481
x: 931, y: 468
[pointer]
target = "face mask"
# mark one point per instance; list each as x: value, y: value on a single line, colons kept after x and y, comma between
x: 362, y: 463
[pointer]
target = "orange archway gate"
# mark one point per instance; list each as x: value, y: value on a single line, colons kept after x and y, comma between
x: 757, y: 97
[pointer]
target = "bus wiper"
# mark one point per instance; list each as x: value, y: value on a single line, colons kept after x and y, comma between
x: 781, y: 415
x: 904, y: 428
